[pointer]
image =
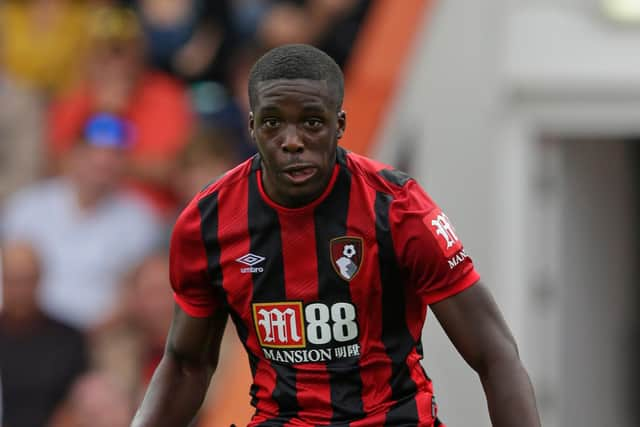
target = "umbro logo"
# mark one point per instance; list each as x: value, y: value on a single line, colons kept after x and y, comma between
x: 251, y: 260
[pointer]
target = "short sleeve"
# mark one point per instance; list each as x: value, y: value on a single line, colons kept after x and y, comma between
x: 428, y: 248
x: 193, y: 288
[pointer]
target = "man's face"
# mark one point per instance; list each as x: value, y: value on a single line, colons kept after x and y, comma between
x: 98, y: 169
x: 296, y: 128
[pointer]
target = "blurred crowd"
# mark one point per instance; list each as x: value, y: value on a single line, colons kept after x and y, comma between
x: 113, y: 115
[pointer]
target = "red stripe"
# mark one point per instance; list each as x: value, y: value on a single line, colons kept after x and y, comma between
x: 234, y: 243
x: 298, y: 252
x: 301, y: 282
x: 189, y: 263
x: 416, y: 312
x: 375, y: 369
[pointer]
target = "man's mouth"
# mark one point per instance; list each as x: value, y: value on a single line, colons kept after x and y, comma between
x: 299, y: 174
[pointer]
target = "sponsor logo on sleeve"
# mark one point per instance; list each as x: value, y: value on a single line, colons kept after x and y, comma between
x: 457, y: 259
x: 440, y: 226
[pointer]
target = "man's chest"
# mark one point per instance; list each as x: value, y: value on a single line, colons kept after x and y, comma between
x: 298, y: 259
x: 303, y: 292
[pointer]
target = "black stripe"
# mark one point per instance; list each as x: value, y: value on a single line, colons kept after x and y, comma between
x: 213, y: 181
x: 395, y: 176
x: 344, y: 374
x: 243, y: 334
x: 253, y: 390
x: 396, y: 337
x: 341, y: 156
x: 269, y: 286
x: 208, y: 207
x: 255, y: 162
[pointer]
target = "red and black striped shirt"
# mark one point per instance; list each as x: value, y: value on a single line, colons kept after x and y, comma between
x: 329, y: 299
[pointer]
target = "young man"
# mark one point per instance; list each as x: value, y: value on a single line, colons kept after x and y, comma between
x: 326, y: 262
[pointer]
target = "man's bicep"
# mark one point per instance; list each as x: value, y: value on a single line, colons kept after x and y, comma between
x: 474, y: 324
x: 196, y: 339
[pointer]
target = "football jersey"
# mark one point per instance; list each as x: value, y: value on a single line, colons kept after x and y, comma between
x: 329, y: 299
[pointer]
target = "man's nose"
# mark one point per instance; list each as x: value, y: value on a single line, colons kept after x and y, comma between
x: 292, y: 142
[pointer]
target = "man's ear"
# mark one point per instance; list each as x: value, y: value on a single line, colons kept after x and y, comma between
x: 251, y: 123
x: 342, y: 123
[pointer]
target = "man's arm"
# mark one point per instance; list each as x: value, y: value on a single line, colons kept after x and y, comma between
x: 476, y: 327
x: 180, y: 382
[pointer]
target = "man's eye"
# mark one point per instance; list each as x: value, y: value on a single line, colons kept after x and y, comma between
x: 313, y: 123
x: 271, y: 123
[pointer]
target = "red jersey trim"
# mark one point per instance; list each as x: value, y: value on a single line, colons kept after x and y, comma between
x: 192, y: 310
x: 470, y: 278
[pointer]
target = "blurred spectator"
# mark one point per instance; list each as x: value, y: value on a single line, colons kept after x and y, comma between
x: 231, y: 113
x: 21, y: 139
x: 118, y: 82
x: 188, y: 38
x: 238, y: 76
x: 246, y: 14
x: 39, y: 357
x: 151, y: 308
x: 87, y: 229
x: 208, y: 155
x: 331, y: 25
x: 96, y: 400
x: 131, y: 348
x: 44, y: 41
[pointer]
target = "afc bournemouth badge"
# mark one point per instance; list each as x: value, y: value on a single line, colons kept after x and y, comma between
x: 346, y: 256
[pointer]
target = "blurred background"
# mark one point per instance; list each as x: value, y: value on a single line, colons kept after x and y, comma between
x: 521, y: 118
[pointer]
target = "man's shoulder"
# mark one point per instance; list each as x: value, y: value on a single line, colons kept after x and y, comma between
x: 232, y: 177
x: 378, y: 175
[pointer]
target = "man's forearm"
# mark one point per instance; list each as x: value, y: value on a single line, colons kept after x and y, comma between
x: 174, y: 395
x: 510, y: 395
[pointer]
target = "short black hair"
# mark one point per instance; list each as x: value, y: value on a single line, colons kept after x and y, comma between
x: 297, y: 61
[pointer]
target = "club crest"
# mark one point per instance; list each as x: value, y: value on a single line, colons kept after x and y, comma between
x: 346, y: 256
